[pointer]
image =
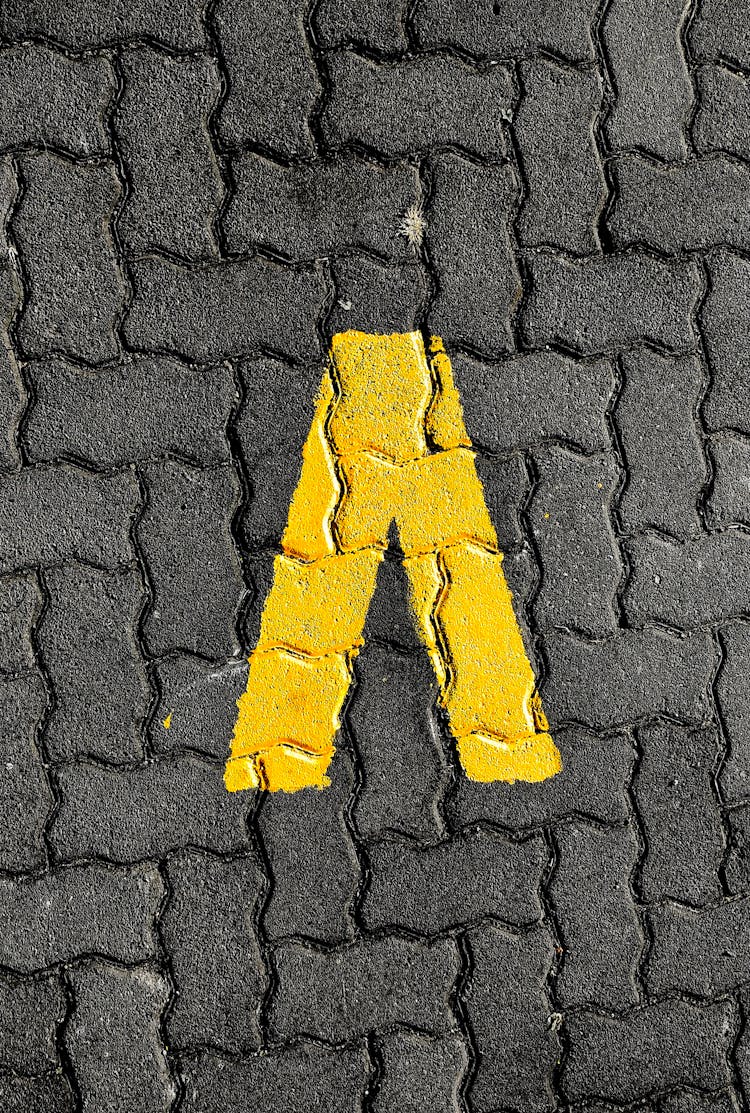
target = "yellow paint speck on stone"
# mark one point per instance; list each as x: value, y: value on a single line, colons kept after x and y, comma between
x: 166, y: 723
x: 387, y: 444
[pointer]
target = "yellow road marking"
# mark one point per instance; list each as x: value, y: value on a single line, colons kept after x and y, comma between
x: 387, y: 443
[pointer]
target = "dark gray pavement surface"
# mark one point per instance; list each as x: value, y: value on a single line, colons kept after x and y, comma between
x: 192, y: 199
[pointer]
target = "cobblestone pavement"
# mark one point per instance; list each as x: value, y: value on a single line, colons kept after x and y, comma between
x: 191, y: 202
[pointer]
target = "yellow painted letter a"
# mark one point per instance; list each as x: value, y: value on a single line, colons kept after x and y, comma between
x: 387, y: 443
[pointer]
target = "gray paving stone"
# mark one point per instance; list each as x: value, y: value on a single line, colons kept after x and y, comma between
x: 20, y: 604
x: 273, y: 81
x: 704, y: 953
x: 687, y: 208
x: 733, y: 697
x: 507, y: 29
x: 174, y: 182
x: 554, y: 126
x: 370, y: 984
x: 120, y: 1009
x: 26, y: 798
x: 533, y: 398
x: 30, y: 1011
x: 140, y: 408
x: 627, y: 677
x: 508, y: 1011
x: 420, y: 1073
x: 688, y: 1101
x: 703, y: 581
x: 679, y: 812
x: 474, y: 876
x: 313, y: 859
x: 82, y: 24
x: 310, y: 211
x: 729, y: 502
x: 376, y: 297
x: 393, y: 717
x: 593, y: 782
x: 649, y: 1050
x: 721, y: 30
x: 50, y: 1094
x: 12, y: 392
x: 655, y: 417
x: 185, y: 535
x: 570, y: 521
x: 379, y: 26
x: 721, y: 119
x: 608, y: 303
x: 199, y: 700
x: 426, y: 102
x: 506, y: 487
x: 295, y: 1079
x: 470, y: 247
x: 594, y: 907
x: 76, y: 911
x: 90, y: 653
x: 52, y: 101
x: 167, y: 803
x: 200, y: 313
x: 76, y: 292
x: 644, y: 49
x: 726, y: 328
x: 52, y: 514
x: 208, y: 927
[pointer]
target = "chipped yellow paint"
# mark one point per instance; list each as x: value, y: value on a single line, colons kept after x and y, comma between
x: 166, y: 723
x: 387, y: 444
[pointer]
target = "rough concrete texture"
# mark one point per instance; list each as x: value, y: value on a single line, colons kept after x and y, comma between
x: 193, y: 198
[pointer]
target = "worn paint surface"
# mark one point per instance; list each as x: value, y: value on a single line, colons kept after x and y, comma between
x: 387, y: 444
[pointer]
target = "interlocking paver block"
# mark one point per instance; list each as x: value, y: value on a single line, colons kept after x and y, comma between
x: 622, y: 1058
x: 120, y: 1008
x: 431, y: 889
x: 655, y: 416
x: 689, y: 207
x: 50, y: 100
x: 678, y: 809
x: 86, y: 24
x: 86, y: 636
x: 570, y: 521
x: 62, y: 227
x: 508, y: 1012
x: 627, y: 677
x: 185, y: 535
x: 314, y: 861
x: 702, y: 952
x: 722, y: 119
x: 79, y: 910
x: 508, y: 29
x: 52, y: 514
x: 597, y: 916
x: 153, y: 808
x: 722, y: 30
x: 555, y: 129
x: 378, y: 26
x: 644, y: 46
x: 215, y: 958
x: 309, y: 211
x: 420, y: 1073
x: 273, y: 81
x: 470, y: 247
x: 174, y: 183
x: 48, y: 1094
x: 725, y: 324
x: 201, y: 312
x: 30, y: 1011
x: 26, y: 797
x: 295, y: 1079
x: 607, y: 303
x: 20, y: 604
x: 373, y: 983
x: 431, y: 100
x: 140, y: 408
x: 729, y: 502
